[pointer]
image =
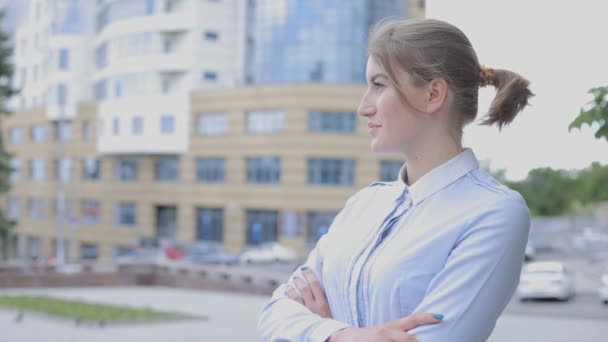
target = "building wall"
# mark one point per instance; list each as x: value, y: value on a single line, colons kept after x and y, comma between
x: 292, y: 195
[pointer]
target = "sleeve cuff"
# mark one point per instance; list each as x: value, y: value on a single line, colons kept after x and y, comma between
x: 327, y: 328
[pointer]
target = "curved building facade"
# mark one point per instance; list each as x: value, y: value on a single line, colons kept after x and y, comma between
x: 319, y: 41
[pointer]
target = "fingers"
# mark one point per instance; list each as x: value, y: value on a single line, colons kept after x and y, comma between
x: 399, y: 336
x: 410, y: 322
x: 291, y: 293
x: 315, y: 285
x: 304, y: 290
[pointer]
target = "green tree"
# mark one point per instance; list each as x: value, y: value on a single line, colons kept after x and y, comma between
x: 547, y: 192
x: 597, y: 113
x: 592, y: 184
x: 6, y: 91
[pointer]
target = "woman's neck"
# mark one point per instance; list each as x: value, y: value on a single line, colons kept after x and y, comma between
x: 421, y: 162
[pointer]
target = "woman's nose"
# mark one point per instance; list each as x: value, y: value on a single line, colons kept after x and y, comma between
x: 366, y: 109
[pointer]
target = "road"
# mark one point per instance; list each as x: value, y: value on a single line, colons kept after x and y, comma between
x: 233, y: 317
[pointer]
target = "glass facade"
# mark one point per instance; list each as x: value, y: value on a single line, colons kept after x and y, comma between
x: 300, y: 41
x: 68, y: 16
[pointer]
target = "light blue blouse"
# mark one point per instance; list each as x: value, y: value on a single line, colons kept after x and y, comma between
x: 452, y: 243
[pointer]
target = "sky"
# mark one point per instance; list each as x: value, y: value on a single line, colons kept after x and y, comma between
x: 562, y: 48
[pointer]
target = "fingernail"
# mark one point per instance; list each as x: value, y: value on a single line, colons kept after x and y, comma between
x: 438, y: 316
x: 304, y: 268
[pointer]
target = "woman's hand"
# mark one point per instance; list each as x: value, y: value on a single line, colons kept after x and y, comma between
x: 313, y: 295
x: 393, y: 331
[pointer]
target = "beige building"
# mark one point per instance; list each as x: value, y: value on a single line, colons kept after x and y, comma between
x: 262, y: 164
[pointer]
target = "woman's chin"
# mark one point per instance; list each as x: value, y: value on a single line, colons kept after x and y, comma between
x: 377, y: 147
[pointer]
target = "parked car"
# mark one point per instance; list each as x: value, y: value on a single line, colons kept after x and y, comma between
x: 176, y: 251
x: 210, y: 253
x: 545, y: 279
x: 530, y: 252
x: 268, y: 252
x: 143, y: 254
x: 604, y: 289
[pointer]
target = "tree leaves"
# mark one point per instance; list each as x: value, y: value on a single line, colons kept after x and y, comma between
x: 6, y: 92
x: 597, y: 113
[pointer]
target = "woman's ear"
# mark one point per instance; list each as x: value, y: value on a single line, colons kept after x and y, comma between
x: 436, y: 95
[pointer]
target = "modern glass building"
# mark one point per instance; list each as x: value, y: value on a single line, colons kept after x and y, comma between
x: 319, y: 41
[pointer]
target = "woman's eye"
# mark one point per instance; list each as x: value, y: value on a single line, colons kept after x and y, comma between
x: 378, y: 85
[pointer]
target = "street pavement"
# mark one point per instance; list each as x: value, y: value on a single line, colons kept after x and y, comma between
x: 233, y: 317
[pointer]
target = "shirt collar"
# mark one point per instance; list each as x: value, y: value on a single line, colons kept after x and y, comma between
x: 439, y: 177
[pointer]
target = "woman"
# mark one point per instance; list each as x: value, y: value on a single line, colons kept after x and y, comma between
x: 445, y: 238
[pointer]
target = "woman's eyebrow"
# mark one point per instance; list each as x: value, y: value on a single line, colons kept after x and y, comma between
x: 378, y: 76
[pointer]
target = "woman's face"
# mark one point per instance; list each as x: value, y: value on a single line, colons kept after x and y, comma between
x: 393, y: 124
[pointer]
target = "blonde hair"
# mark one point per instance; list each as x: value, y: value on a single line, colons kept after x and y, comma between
x: 429, y: 49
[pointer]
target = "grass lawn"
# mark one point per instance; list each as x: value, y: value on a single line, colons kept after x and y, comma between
x: 84, y: 311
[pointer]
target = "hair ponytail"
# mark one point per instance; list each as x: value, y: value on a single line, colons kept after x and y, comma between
x: 512, y: 95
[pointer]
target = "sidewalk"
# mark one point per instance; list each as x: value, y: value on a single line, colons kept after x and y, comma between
x: 232, y: 317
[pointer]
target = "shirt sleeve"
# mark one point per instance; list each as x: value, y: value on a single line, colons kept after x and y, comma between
x: 283, y: 319
x: 480, y: 275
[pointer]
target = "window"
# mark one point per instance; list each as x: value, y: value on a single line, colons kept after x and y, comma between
x: 137, y: 125
x: 115, y: 126
x: 210, y: 170
x: 88, y: 251
x: 210, y: 224
x: 63, y: 130
x: 62, y: 94
x: 101, y: 92
x: 101, y: 56
x: 64, y: 59
x: 90, y: 211
x: 263, y: 121
x: 211, y: 35
x: 23, y: 77
x: 87, y: 130
x: 14, y: 208
x: 33, y: 247
x: 389, y: 170
x: 262, y: 226
x: 36, y: 208
x: 212, y: 124
x: 209, y: 76
x: 63, y: 169
x: 63, y: 208
x: 91, y: 169
x: 38, y: 133
x: 318, y: 225
x: 166, y: 222
x: 150, y: 7
x: 16, y: 135
x: 16, y: 170
x: 166, y: 169
x: 322, y: 171
x: 332, y: 122
x: 167, y: 124
x: 37, y: 170
x: 126, y: 170
x: 125, y: 214
x: 263, y: 170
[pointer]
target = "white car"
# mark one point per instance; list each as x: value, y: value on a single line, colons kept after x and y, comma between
x: 268, y: 252
x: 530, y: 252
x: 604, y: 289
x: 545, y: 279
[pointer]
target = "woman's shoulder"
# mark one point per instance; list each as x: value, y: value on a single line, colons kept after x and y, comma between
x: 493, y: 190
x: 496, y: 202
